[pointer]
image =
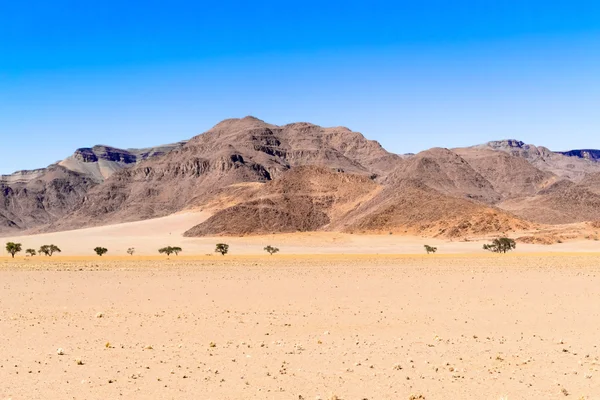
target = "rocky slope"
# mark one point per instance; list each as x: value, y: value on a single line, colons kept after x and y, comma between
x: 232, y: 152
x: 31, y: 199
x: 568, y: 165
x: 303, y: 199
x: 258, y: 178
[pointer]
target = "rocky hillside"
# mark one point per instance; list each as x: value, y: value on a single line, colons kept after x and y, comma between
x: 568, y: 165
x: 33, y: 199
x: 307, y: 198
x: 232, y: 152
x: 258, y: 178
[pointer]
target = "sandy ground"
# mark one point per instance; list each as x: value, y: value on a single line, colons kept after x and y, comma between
x: 150, y: 235
x: 301, y: 327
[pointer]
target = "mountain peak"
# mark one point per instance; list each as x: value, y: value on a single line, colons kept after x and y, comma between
x: 507, y: 143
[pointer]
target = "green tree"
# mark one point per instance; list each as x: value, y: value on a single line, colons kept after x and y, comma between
x: 170, y: 250
x: 49, y: 249
x: 101, y: 251
x: 13, y: 248
x: 222, y: 248
x: 271, y: 250
x: 430, y: 249
x: 31, y: 252
x: 501, y: 245
x: 131, y: 250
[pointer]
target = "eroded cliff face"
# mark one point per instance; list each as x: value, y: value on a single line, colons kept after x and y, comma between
x: 40, y: 198
x: 31, y: 199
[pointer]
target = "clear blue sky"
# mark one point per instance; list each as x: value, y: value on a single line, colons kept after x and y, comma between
x: 411, y: 75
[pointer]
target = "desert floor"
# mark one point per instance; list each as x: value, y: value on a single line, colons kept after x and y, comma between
x: 517, y: 326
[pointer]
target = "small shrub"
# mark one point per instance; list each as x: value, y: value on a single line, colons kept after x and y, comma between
x: 271, y: 250
x: 501, y: 245
x: 430, y: 249
x: 31, y: 252
x: 101, y: 251
x: 131, y: 250
x: 222, y: 248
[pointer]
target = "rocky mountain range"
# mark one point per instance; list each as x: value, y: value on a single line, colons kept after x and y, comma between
x: 258, y: 178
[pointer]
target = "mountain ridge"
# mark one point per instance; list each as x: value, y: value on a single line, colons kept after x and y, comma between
x: 245, y: 169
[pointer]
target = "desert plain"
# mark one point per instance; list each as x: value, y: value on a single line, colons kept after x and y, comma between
x: 329, y: 317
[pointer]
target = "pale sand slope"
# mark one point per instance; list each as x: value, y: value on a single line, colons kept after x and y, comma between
x: 150, y: 235
x: 302, y: 327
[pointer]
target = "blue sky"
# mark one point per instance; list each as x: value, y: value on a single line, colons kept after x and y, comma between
x: 411, y: 75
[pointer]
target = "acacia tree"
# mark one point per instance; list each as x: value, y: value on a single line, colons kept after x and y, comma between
x: 166, y: 250
x: 30, y: 252
x: 271, y: 250
x: 430, y: 249
x: 222, y: 248
x: 501, y: 245
x: 13, y: 248
x: 101, y: 251
x: 170, y: 250
x: 49, y: 249
x: 131, y: 250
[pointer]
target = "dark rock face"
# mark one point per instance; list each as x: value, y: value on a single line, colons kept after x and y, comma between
x: 85, y: 155
x: 587, y: 154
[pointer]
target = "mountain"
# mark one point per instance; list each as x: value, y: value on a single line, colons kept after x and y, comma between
x: 566, y: 165
x: 100, y: 162
x: 259, y: 178
x: 307, y: 198
x: 30, y: 199
x: 234, y: 151
x: 510, y: 176
x: 562, y: 203
x: 589, y: 154
x: 445, y: 171
x: 410, y: 206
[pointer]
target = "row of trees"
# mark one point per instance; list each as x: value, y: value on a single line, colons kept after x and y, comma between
x: 47, y: 249
x: 500, y: 245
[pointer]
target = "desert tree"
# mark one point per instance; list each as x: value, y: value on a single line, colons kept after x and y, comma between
x: 271, y: 250
x: 170, y: 250
x: 101, y: 251
x: 430, y: 249
x: 166, y: 250
x: 222, y: 248
x: 501, y: 245
x: 131, y: 250
x: 30, y: 252
x: 49, y: 249
x: 13, y: 248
